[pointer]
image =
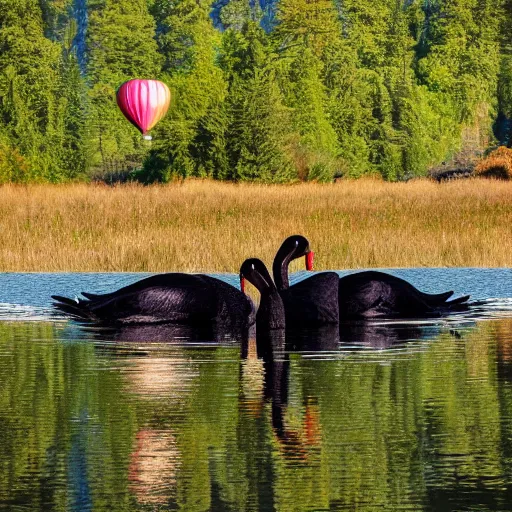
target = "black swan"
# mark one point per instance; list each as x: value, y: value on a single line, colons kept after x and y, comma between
x: 366, y: 294
x: 175, y: 298
x: 312, y: 302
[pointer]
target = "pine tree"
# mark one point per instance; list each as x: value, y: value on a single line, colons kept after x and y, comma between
x: 305, y: 30
x: 258, y: 136
x: 121, y: 46
x: 236, y: 14
x: 504, y: 119
x: 459, y: 52
x: 73, y: 122
x: 349, y: 108
x: 190, y: 141
x: 306, y: 23
x: 56, y: 18
x: 28, y: 74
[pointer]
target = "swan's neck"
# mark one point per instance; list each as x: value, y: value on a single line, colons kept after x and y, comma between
x: 280, y: 271
x: 271, y: 313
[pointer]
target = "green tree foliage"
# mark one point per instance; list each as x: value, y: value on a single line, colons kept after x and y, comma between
x: 121, y: 46
x: 28, y: 76
x: 305, y: 30
x: 190, y: 141
x: 74, y: 147
x: 259, y: 124
x: 504, y: 121
x: 329, y: 88
x: 258, y: 132
x: 236, y: 14
x: 459, y: 59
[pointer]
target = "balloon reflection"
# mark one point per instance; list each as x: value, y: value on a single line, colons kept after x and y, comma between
x: 154, y: 464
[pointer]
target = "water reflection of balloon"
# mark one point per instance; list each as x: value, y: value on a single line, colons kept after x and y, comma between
x: 154, y: 464
x: 144, y: 103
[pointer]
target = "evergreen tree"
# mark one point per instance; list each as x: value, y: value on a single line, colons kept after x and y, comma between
x: 56, y: 18
x: 305, y: 30
x: 28, y: 77
x: 459, y: 52
x: 190, y: 141
x: 326, y: 87
x: 504, y: 119
x: 73, y: 122
x: 121, y: 46
x: 236, y: 14
x: 349, y: 109
x: 259, y: 133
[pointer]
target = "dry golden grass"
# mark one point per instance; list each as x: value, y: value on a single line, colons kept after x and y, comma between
x: 497, y: 165
x: 211, y: 226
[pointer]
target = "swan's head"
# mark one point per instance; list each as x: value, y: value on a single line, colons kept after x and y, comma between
x: 255, y: 271
x: 296, y: 246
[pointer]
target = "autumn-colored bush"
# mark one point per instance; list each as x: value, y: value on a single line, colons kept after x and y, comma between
x: 497, y: 164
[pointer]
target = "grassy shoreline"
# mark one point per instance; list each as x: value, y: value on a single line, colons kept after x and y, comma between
x: 212, y: 226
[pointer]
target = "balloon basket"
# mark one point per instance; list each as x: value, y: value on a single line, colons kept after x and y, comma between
x: 147, y: 137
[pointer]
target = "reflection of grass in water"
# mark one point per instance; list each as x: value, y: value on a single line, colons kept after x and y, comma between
x: 211, y: 226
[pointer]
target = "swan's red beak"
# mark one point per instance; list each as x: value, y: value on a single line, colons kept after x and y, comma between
x: 242, y: 283
x: 309, y: 260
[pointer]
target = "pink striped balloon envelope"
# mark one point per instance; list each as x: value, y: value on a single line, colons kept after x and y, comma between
x: 143, y: 102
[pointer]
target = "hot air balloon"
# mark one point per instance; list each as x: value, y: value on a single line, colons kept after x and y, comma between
x: 144, y: 103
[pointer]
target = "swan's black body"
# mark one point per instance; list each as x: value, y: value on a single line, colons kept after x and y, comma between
x: 312, y: 302
x: 197, y: 300
x: 373, y: 294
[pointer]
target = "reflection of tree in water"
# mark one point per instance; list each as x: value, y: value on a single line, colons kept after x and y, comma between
x: 63, y: 446
x: 199, y: 429
x: 503, y: 333
x: 411, y: 428
x: 290, y: 433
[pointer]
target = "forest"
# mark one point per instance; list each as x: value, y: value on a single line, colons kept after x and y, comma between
x: 268, y: 91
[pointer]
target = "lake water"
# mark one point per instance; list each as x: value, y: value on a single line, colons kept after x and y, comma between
x: 394, y: 416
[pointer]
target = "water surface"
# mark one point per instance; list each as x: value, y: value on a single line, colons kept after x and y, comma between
x: 396, y: 416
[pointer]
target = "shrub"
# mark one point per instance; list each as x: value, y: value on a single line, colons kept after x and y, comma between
x: 13, y: 166
x: 497, y: 164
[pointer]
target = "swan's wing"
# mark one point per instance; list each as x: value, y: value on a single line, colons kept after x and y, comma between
x: 157, y: 304
x: 175, y: 297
